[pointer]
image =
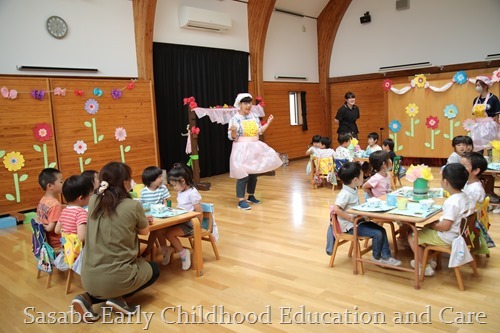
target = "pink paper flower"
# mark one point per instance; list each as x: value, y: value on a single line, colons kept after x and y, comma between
x: 468, y: 124
x: 120, y: 134
x: 387, y: 84
x: 496, y: 76
x: 80, y: 147
x: 9, y: 94
x: 58, y: 91
x: 43, y: 132
x: 193, y: 105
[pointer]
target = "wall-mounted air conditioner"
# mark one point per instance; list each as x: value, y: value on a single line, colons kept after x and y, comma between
x: 203, y: 19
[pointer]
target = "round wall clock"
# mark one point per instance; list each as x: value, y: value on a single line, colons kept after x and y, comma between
x: 57, y: 27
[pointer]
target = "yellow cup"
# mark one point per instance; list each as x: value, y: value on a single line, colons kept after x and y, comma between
x: 402, y: 203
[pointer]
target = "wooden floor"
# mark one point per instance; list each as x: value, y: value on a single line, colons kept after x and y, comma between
x: 273, y: 264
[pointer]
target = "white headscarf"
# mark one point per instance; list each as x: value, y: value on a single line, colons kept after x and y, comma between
x: 239, y: 98
x: 485, y: 79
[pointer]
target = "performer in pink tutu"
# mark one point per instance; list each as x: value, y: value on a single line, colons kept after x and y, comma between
x: 249, y: 156
x: 486, y: 108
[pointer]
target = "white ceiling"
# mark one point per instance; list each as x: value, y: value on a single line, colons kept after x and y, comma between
x: 310, y: 8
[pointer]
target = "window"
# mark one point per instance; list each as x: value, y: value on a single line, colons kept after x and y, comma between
x: 295, y: 108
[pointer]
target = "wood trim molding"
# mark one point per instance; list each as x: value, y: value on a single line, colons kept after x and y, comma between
x: 259, y: 15
x: 328, y: 25
x: 144, y: 22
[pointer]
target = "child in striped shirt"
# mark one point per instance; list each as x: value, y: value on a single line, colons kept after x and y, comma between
x: 76, y: 190
x: 155, y: 192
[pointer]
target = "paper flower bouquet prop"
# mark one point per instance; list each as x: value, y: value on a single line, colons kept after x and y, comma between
x: 415, y: 172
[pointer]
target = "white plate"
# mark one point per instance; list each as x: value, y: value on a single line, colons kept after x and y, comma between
x: 169, y: 212
x: 384, y: 207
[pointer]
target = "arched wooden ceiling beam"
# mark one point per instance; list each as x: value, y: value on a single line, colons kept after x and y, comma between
x: 328, y: 25
x: 144, y: 23
x: 259, y: 15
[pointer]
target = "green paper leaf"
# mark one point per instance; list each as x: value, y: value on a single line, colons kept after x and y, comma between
x: 427, y: 144
x: 37, y: 148
x: 52, y: 165
x: 23, y: 178
x: 87, y: 161
x: 417, y: 121
x: 127, y: 149
x: 87, y: 124
x: 391, y: 136
x: 2, y: 152
x: 9, y: 197
x: 446, y: 135
x: 100, y: 137
x: 400, y: 147
x: 457, y: 123
x: 408, y: 133
x: 437, y: 132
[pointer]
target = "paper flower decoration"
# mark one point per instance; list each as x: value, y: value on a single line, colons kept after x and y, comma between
x: 193, y: 105
x: 58, y: 91
x: 411, y: 110
x: 188, y: 100
x: 395, y: 126
x: 9, y: 94
x: 450, y: 111
x: 432, y: 122
x: 91, y: 106
x: 387, y: 84
x: 80, y: 147
x: 43, y: 132
x: 38, y: 94
x: 116, y: 93
x: 260, y: 101
x: 97, y: 92
x: 460, y: 77
x: 195, y: 130
x: 418, y: 171
x: 79, y: 92
x: 13, y: 161
x: 420, y: 80
x: 131, y: 85
x: 496, y: 76
x: 468, y: 124
x: 120, y: 134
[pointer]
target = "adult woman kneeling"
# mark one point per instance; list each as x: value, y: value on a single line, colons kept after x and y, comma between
x: 111, y: 269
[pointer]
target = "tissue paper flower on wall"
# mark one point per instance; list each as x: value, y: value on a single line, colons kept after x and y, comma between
x: 412, y: 110
x: 468, y: 124
x: 80, y: 147
x: 395, y: 126
x: 120, y: 134
x: 418, y: 171
x: 460, y: 77
x: 496, y: 76
x: 420, y: 80
x: 116, y: 93
x: 13, y: 161
x: 432, y: 122
x: 42, y: 132
x: 38, y: 94
x: 91, y: 106
x: 97, y: 92
x: 450, y: 111
x: 387, y: 84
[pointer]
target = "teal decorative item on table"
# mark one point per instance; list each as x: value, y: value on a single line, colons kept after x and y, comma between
x: 420, y: 189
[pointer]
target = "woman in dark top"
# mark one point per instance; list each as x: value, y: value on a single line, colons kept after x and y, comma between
x: 347, y: 115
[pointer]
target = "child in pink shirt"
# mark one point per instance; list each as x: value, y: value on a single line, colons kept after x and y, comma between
x: 380, y: 183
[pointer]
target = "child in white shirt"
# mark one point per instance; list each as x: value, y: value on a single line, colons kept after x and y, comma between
x: 475, y: 164
x: 325, y: 150
x: 312, y: 150
x: 342, y: 153
x: 372, y: 144
x: 459, y: 144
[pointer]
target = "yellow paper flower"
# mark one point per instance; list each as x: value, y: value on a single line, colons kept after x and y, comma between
x: 495, y: 144
x: 412, y: 109
x: 419, y: 171
x: 420, y: 80
x: 13, y: 161
x: 354, y: 141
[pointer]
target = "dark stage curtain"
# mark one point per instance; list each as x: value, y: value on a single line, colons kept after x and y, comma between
x: 213, y: 77
x: 304, y: 110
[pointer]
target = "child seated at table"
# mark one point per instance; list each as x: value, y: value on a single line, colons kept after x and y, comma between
x: 155, y: 192
x: 380, y: 183
x: 350, y: 174
x: 469, y: 143
x: 342, y: 152
x: 324, y: 148
x: 314, y: 146
x: 457, y: 206
x: 372, y: 144
x: 459, y: 144
x: 475, y: 164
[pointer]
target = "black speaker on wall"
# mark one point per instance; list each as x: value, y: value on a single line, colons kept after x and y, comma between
x: 366, y: 18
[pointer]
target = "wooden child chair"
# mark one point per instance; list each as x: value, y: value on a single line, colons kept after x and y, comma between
x: 466, y: 224
x: 321, y: 169
x: 209, y: 230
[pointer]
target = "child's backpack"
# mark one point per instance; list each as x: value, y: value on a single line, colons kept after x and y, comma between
x: 44, y: 253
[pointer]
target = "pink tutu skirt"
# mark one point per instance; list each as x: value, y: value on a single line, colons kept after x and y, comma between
x: 252, y: 156
x: 483, y: 132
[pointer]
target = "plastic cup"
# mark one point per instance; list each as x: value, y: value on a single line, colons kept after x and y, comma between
x: 391, y: 200
x: 402, y: 203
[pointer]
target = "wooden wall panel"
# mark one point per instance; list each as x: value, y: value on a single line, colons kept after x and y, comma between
x: 370, y: 100
x: 282, y: 136
x: 133, y: 112
x: 18, y: 117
